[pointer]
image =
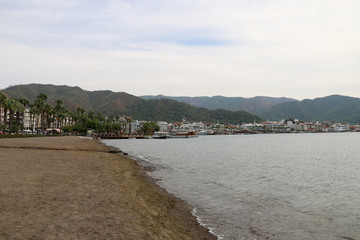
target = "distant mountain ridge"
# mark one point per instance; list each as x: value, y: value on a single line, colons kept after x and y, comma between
x: 121, y: 103
x: 335, y: 108
x: 255, y: 105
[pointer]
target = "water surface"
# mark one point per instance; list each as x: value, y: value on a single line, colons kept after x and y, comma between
x: 286, y: 186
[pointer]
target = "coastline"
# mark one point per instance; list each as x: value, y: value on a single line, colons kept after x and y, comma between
x: 71, y: 187
x: 148, y: 167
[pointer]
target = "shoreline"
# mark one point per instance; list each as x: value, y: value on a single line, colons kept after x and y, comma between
x: 71, y: 187
x: 148, y: 167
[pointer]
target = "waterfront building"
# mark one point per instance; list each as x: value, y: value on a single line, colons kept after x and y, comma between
x: 163, y: 126
x: 257, y: 127
x: 135, y: 126
x: 301, y: 127
x: 275, y: 127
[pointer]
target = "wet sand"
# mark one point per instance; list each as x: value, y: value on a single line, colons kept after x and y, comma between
x: 74, y: 188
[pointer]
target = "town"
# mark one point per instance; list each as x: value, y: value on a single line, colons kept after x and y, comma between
x: 30, y: 123
x: 284, y: 126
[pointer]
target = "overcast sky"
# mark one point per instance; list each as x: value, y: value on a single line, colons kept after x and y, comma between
x: 293, y: 48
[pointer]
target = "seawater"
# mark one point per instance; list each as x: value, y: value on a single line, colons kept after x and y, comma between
x: 276, y: 186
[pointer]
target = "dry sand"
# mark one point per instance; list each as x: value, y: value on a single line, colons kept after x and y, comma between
x: 73, y: 188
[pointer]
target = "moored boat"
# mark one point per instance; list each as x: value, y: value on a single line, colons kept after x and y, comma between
x: 184, y: 135
x: 161, y: 135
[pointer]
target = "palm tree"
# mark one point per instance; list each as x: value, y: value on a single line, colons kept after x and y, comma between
x: 48, y: 112
x: 40, y: 104
x: 100, y: 117
x: 14, y: 106
x: 58, y: 110
x: 73, y: 117
x: 80, y: 111
x: 66, y: 115
x: 25, y: 103
x: 34, y: 116
x: 128, y: 123
x: 91, y: 115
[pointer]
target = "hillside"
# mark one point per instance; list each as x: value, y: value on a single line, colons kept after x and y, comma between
x: 120, y: 103
x: 74, y: 97
x: 174, y: 111
x: 254, y: 105
x: 335, y: 108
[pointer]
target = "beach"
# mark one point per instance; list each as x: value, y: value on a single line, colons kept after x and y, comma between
x: 77, y: 188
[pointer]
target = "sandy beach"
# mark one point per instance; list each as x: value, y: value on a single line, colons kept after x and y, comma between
x: 74, y: 188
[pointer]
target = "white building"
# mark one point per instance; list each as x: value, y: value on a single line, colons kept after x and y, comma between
x: 301, y: 127
x: 135, y: 126
x: 163, y: 126
x: 26, y: 119
x: 341, y: 127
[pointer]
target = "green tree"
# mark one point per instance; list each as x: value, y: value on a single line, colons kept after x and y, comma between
x: 67, y: 128
x: 49, y: 115
x: 24, y: 102
x: 14, y: 106
x: 60, y: 113
x: 40, y: 104
x: 34, y: 116
x: 80, y: 112
x: 91, y: 115
x: 150, y: 127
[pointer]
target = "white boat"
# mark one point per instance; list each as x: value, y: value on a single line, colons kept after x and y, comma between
x: 161, y: 135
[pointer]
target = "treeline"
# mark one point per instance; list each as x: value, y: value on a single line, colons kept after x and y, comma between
x: 43, y: 115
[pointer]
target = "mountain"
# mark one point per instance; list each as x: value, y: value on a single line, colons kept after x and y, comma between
x: 335, y: 108
x: 121, y: 103
x: 175, y: 111
x: 254, y: 105
x: 74, y: 97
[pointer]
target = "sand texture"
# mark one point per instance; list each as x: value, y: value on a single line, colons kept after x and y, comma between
x: 73, y: 188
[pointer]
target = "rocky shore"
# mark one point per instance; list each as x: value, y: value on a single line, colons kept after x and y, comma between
x: 75, y: 188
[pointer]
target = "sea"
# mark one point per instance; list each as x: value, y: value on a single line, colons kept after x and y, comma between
x: 262, y: 186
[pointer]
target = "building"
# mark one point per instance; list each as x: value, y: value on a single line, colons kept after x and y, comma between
x: 163, y: 126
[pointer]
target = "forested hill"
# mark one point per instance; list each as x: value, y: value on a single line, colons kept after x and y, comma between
x: 254, y: 105
x: 335, y: 108
x: 121, y: 103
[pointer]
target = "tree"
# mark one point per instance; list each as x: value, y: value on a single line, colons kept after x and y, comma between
x: 150, y: 128
x: 128, y: 123
x: 100, y: 117
x: 80, y: 112
x: 67, y: 128
x: 40, y: 104
x: 34, y: 116
x: 49, y: 115
x: 14, y: 106
x: 60, y: 113
x: 25, y: 102
x: 91, y: 115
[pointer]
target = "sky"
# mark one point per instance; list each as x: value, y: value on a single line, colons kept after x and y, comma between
x: 236, y: 48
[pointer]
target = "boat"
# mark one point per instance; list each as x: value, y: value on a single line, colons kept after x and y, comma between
x: 161, y: 135
x: 184, y: 135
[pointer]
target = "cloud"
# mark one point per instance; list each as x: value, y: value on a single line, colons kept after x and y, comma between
x: 236, y: 48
